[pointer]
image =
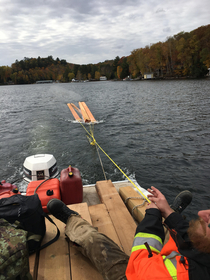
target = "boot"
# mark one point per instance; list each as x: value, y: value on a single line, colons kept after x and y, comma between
x: 59, y: 210
x: 181, y: 201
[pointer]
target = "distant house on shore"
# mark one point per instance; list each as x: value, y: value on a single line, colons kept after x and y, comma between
x: 103, y: 78
x: 148, y: 76
x: 44, y: 82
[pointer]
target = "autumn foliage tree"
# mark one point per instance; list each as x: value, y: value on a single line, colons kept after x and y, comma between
x: 97, y: 75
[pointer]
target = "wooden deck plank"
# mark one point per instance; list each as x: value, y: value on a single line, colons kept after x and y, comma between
x: 101, y: 219
x: 54, y: 260
x: 123, y: 222
x: 81, y: 267
x: 82, y: 209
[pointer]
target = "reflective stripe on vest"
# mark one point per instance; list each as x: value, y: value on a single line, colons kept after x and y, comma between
x: 171, y: 264
x: 172, y: 257
x: 153, y: 241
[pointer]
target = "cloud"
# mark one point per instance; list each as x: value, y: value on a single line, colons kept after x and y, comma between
x: 160, y: 10
x: 91, y: 31
x: 167, y: 29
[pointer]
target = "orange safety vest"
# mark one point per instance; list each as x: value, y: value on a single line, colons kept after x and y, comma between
x: 165, y: 264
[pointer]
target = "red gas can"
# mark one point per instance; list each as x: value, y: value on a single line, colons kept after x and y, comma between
x: 47, y: 190
x: 4, y: 186
x: 9, y: 193
x: 71, y: 186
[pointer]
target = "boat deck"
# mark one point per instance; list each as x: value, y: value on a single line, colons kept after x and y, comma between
x: 102, y: 207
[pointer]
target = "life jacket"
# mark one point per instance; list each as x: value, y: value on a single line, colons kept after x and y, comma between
x: 165, y: 262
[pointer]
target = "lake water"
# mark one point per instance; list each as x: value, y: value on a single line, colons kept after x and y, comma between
x: 158, y: 132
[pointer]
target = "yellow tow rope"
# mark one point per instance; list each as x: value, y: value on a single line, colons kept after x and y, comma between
x: 93, y: 142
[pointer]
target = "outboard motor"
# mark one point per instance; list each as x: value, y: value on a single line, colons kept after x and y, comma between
x: 40, y: 167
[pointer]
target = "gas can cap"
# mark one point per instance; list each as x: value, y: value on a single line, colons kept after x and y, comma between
x: 70, y: 174
x: 15, y: 190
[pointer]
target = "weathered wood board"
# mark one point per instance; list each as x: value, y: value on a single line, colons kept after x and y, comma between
x: 54, y: 260
x: 123, y: 222
x: 102, y: 221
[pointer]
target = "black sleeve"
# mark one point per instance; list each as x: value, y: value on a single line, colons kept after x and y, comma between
x: 152, y: 223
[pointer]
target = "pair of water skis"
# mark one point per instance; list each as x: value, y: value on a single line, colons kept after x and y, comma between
x: 85, y: 114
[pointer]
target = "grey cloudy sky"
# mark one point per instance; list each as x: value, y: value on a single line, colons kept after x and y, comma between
x: 91, y: 31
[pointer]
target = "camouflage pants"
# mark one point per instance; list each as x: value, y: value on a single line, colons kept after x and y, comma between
x: 106, y: 255
x: 14, y: 262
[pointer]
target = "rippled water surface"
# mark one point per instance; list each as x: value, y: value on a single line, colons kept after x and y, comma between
x: 158, y: 132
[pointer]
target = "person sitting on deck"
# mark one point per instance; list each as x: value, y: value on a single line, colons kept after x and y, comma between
x: 185, y: 256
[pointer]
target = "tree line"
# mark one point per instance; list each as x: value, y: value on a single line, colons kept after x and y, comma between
x: 186, y: 54
x: 30, y: 70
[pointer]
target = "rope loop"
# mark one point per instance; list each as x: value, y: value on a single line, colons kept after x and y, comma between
x: 133, y: 197
x: 139, y: 205
x: 142, y: 204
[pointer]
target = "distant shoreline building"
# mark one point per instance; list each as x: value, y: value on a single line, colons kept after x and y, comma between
x: 148, y: 76
x: 103, y: 78
x: 44, y: 82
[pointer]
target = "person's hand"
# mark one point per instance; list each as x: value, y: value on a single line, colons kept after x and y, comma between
x: 151, y: 205
x: 157, y: 198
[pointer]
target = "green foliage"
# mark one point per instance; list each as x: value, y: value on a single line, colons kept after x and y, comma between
x: 115, y: 63
x: 125, y: 69
x: 71, y: 76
